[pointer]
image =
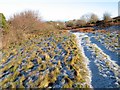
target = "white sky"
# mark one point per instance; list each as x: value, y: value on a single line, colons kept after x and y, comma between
x: 60, y: 9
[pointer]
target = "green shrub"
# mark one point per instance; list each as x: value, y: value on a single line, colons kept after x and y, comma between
x: 3, y: 22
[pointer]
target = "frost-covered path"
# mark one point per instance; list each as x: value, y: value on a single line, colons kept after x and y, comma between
x: 113, y: 55
x: 105, y: 72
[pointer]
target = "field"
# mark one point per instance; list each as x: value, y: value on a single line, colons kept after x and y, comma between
x: 46, y: 60
x: 102, y: 51
x: 54, y: 54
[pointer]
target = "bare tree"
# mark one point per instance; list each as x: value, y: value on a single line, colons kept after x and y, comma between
x: 85, y: 17
x: 93, y: 18
x: 27, y: 20
x: 80, y: 23
x: 106, y: 17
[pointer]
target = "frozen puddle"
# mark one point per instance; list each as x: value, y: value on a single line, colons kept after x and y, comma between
x: 105, y: 73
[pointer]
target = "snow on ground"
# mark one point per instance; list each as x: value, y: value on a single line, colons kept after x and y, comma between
x: 79, y: 39
x: 104, y: 71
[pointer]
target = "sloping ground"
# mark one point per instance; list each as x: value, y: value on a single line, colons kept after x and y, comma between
x: 109, y: 28
x: 113, y: 22
x: 104, y: 70
x: 50, y: 60
x: 109, y: 41
x: 86, y: 29
x: 114, y: 27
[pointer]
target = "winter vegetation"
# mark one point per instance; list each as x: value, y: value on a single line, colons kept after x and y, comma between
x: 38, y: 54
x: 79, y: 53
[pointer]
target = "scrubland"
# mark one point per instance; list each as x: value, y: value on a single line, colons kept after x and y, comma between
x: 37, y: 54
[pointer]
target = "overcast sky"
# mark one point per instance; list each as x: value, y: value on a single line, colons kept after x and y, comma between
x: 60, y: 9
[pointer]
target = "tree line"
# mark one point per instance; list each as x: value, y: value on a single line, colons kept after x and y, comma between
x: 87, y: 20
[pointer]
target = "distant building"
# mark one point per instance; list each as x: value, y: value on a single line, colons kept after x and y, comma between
x: 119, y: 8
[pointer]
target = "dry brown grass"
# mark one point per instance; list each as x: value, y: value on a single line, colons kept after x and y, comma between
x: 22, y: 24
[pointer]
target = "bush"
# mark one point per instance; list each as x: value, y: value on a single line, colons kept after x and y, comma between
x: 3, y: 23
x: 69, y: 24
x: 26, y: 21
x: 106, y: 17
x: 57, y: 24
x: 80, y: 23
x: 21, y: 24
x: 93, y: 18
